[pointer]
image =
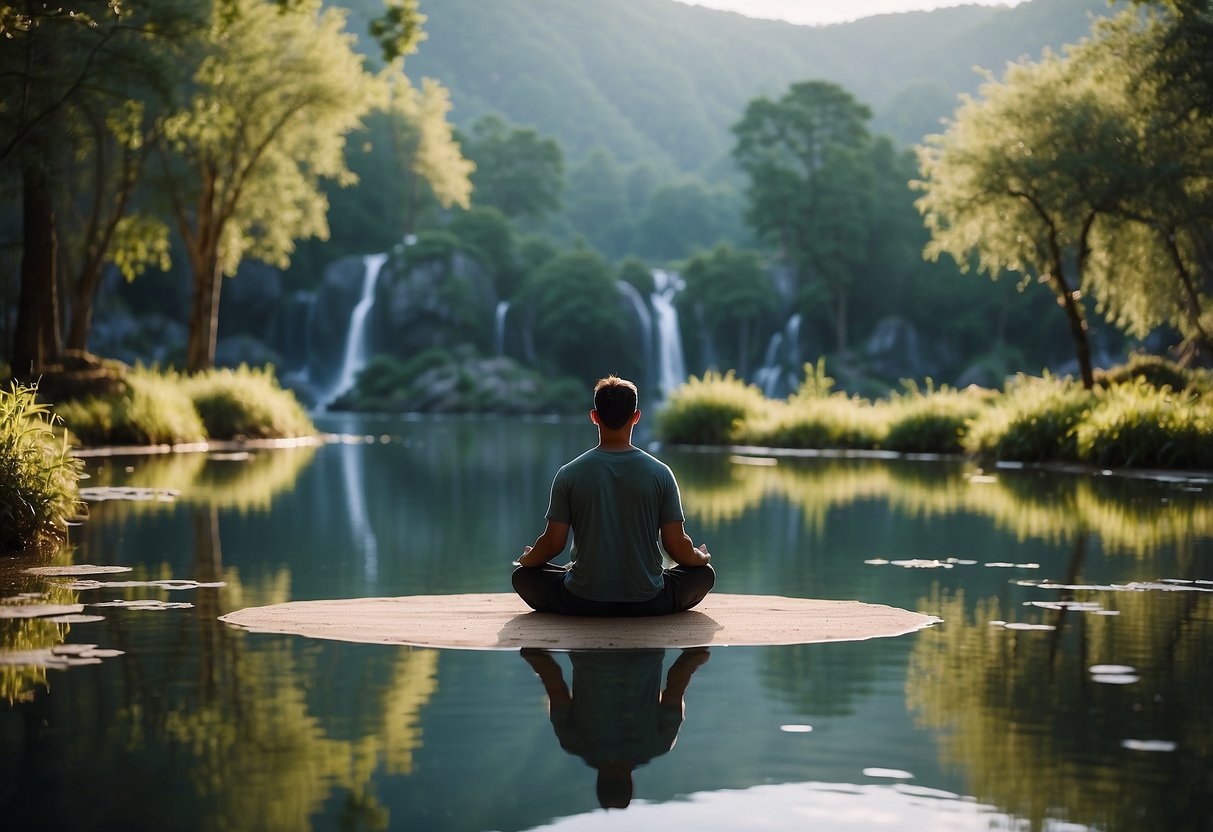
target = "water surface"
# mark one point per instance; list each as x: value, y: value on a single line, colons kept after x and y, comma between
x: 1068, y: 687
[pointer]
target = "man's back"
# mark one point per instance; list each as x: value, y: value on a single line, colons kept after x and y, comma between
x: 616, y: 502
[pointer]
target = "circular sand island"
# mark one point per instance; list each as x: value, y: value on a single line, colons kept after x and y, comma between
x: 501, y: 621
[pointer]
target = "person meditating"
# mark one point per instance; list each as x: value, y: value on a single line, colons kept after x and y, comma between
x: 618, y: 501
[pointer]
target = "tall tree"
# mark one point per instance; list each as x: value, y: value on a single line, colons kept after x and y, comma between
x: 518, y: 172
x: 1020, y: 177
x: 272, y: 103
x: 811, y: 188
x: 734, y: 292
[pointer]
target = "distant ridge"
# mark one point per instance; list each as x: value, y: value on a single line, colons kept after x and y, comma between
x: 663, y: 81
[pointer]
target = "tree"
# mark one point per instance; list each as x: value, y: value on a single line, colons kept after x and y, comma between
x: 811, y: 189
x: 577, y: 312
x: 274, y: 98
x: 1153, y: 256
x: 597, y: 205
x: 1020, y: 177
x: 518, y: 172
x: 426, y: 150
x: 737, y: 298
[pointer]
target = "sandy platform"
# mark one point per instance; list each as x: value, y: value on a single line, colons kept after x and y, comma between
x: 502, y: 621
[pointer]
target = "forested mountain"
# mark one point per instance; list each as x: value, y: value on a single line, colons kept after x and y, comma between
x: 660, y: 81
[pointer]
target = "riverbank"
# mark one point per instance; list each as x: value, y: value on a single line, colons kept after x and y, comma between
x: 1148, y: 414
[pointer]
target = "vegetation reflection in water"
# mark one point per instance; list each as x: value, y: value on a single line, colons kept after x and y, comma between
x: 1027, y: 503
x: 272, y: 732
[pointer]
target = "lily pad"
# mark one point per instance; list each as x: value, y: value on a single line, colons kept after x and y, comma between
x: 77, y: 569
x: 37, y: 610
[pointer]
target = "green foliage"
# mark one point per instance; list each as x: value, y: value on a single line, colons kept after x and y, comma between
x: 427, y: 154
x: 709, y: 410
x: 1033, y: 421
x: 935, y: 421
x: 1138, y: 425
x: 152, y: 408
x: 37, y: 475
x: 737, y: 298
x: 836, y: 421
x: 1158, y: 372
x: 579, y: 317
x: 517, y: 171
x: 246, y: 403
x: 488, y: 236
x: 430, y: 246
x: 638, y: 275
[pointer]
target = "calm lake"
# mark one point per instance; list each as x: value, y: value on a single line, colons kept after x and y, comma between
x: 1070, y: 686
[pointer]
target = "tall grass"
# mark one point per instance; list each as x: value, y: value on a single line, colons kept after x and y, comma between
x: 1135, y: 420
x: 246, y: 403
x: 1033, y: 421
x: 38, y: 478
x: 152, y: 408
x: 709, y: 410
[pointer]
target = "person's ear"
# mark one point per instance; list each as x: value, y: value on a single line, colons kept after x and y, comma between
x: 636, y: 416
x: 594, y: 416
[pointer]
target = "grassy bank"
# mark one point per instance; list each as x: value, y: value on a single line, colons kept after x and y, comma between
x: 1146, y: 414
x: 149, y: 407
x: 37, y: 476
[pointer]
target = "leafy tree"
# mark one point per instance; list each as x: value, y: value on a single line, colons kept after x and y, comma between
x: 518, y: 172
x: 425, y: 148
x: 577, y: 313
x: 1152, y: 264
x: 683, y: 216
x: 1020, y: 177
x: 488, y: 234
x: 738, y: 300
x: 273, y: 101
x: 596, y: 206
x: 810, y: 189
x: 68, y: 72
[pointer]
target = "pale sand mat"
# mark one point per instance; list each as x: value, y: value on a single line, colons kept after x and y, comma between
x: 503, y: 621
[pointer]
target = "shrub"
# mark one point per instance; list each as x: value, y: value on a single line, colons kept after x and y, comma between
x: 37, y: 476
x: 246, y: 403
x: 707, y: 411
x: 1158, y: 372
x: 1135, y: 424
x: 832, y: 422
x: 932, y: 422
x: 150, y: 408
x: 1032, y: 421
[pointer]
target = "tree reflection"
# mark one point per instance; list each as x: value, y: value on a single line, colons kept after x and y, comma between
x: 1132, y: 516
x: 1033, y: 729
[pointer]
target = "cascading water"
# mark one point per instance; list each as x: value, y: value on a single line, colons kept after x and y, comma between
x: 782, y: 361
x: 645, y: 319
x: 357, y: 342
x: 503, y: 309
x: 671, y: 366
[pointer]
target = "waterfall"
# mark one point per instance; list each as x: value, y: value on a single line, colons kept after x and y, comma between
x: 781, y: 360
x: 671, y: 366
x: 645, y: 319
x: 503, y: 308
x: 357, y: 339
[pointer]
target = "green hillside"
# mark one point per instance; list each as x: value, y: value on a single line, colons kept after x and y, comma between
x: 661, y: 81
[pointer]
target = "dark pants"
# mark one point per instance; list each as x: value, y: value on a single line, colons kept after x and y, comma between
x: 543, y: 589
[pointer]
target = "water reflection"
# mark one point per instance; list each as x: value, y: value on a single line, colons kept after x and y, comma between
x: 616, y: 716
x: 1131, y: 516
x: 1087, y: 714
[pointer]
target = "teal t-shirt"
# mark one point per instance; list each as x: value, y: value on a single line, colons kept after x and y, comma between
x: 616, y: 502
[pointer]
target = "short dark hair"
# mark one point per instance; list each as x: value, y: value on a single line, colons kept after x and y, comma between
x: 615, y: 401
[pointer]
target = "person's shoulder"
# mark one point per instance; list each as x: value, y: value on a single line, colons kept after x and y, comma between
x: 653, y: 462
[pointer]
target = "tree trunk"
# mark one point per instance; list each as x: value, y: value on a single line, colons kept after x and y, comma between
x: 81, y: 319
x: 36, y: 340
x: 840, y: 320
x: 204, y: 313
x: 1078, y: 325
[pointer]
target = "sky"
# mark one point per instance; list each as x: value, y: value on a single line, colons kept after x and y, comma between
x: 832, y: 11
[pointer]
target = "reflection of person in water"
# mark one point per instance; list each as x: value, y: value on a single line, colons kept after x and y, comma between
x: 616, y: 716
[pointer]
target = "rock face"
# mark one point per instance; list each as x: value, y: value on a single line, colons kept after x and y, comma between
x: 437, y: 301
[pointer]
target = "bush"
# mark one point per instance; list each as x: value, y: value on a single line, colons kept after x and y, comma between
x: 37, y: 476
x: 932, y: 422
x: 832, y: 422
x: 1157, y: 372
x: 246, y: 403
x: 1136, y: 425
x: 708, y: 411
x: 150, y: 408
x: 1033, y: 421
